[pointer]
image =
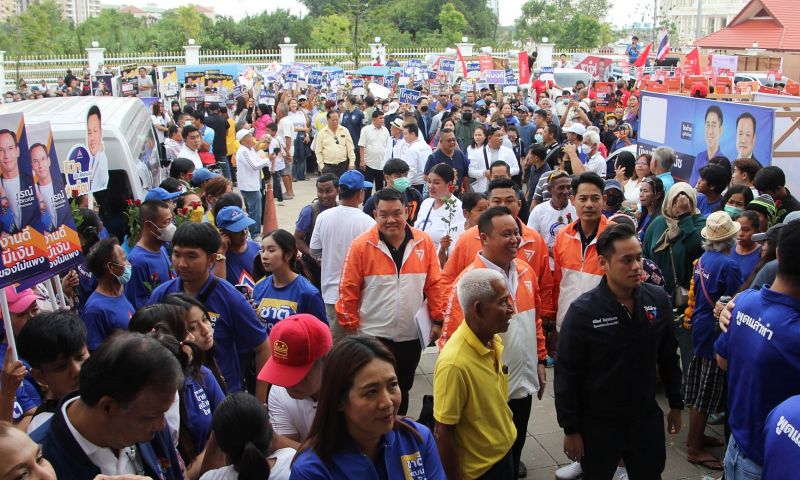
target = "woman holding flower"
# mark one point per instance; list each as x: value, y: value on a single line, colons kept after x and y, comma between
x: 440, y: 215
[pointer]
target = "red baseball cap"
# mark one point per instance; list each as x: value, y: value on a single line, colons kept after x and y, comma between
x: 296, y: 342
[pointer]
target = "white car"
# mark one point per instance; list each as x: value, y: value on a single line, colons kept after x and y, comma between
x: 761, y: 77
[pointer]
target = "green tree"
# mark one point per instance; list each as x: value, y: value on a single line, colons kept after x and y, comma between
x: 115, y: 31
x: 452, y: 23
x: 568, y: 25
x: 331, y: 31
x: 41, y: 30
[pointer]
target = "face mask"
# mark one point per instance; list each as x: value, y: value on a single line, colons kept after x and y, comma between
x: 187, y: 123
x: 467, y: 117
x: 126, y: 275
x: 586, y: 148
x: 492, y: 111
x: 565, y: 101
x: 401, y: 184
x: 538, y: 137
x: 423, y: 109
x: 612, y: 123
x: 734, y: 212
x: 165, y: 234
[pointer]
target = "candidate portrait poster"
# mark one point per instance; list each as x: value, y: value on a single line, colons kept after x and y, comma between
x: 600, y: 68
x: 699, y: 129
x: 86, y: 165
x: 102, y: 85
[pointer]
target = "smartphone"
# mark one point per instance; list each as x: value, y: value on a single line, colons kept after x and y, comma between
x: 276, y: 150
x: 244, y: 289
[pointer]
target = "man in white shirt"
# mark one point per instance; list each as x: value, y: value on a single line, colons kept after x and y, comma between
x: 248, y: 175
x: 492, y: 151
x: 111, y: 427
x: 395, y: 141
x: 596, y: 162
x: 191, y: 145
x: 144, y: 83
x: 373, y: 143
x: 298, y: 344
x: 286, y: 133
x: 415, y: 152
x: 334, y: 231
x: 548, y: 218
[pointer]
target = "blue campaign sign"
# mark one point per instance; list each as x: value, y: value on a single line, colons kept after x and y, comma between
x: 332, y: 96
x: 415, y: 62
x: 447, y: 65
x: 388, y: 82
x: 699, y: 129
x: 417, y: 83
x: 409, y: 96
x: 291, y: 77
x: 357, y: 82
x: 315, y: 78
x: 496, y: 76
x: 338, y: 73
x: 511, y: 79
x: 473, y: 66
x: 431, y: 75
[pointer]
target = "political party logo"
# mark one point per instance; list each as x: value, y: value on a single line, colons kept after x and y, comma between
x: 651, y: 313
x: 420, y: 253
x: 272, y: 310
x: 76, y: 168
x: 280, y: 350
x: 413, y: 468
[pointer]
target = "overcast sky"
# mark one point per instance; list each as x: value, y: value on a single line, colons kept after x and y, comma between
x: 510, y: 9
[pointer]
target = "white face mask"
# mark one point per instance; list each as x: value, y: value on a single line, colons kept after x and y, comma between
x: 165, y: 234
x: 587, y: 149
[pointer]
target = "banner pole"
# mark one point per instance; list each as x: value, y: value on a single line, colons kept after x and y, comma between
x: 7, y: 324
x: 62, y: 300
x: 50, y: 293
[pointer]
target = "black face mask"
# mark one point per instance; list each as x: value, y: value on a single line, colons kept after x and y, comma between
x: 466, y: 117
x: 423, y: 109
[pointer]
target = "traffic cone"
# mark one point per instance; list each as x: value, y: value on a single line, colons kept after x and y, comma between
x: 269, y: 220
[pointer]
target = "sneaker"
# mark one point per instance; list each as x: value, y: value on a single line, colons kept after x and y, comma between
x: 280, y: 203
x: 716, y: 418
x: 621, y: 474
x: 522, y: 472
x: 551, y: 362
x: 570, y: 472
x: 287, y: 196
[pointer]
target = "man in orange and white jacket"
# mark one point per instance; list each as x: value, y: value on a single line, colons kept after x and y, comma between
x: 532, y: 248
x: 388, y: 272
x: 524, y: 351
x: 577, y: 268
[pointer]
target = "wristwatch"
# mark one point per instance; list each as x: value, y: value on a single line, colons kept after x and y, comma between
x: 221, y: 257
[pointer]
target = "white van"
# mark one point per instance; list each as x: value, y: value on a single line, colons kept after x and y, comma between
x: 128, y: 136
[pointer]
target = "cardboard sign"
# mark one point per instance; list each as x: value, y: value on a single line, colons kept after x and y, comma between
x: 723, y: 85
x: 409, y: 96
x: 315, y: 78
x: 600, y: 68
x: 497, y: 77
x: 747, y: 87
x: 466, y: 86
x: 447, y: 65
x: 473, y: 69
x: 690, y: 80
x: 605, y: 100
x: 415, y: 63
x: 792, y: 88
x: 487, y: 63
x: 546, y: 74
x: 674, y: 84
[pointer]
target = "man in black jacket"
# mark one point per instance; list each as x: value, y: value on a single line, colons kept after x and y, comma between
x: 219, y: 124
x: 611, y: 342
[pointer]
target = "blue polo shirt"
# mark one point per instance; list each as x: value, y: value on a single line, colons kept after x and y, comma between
x: 782, y: 441
x: 762, y: 347
x: 706, y: 207
x: 239, y: 266
x: 746, y: 262
x: 721, y: 276
x: 273, y: 304
x: 26, y: 396
x: 457, y: 161
x: 149, y: 270
x: 236, y: 328
x: 103, y: 315
x: 201, y: 395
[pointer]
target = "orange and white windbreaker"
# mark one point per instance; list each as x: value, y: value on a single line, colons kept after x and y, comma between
x: 576, y: 272
x: 532, y: 250
x: 524, y: 341
x: 375, y: 300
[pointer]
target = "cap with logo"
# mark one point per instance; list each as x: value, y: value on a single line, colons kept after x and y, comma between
x: 201, y: 175
x: 159, y: 193
x: 353, y: 180
x: 233, y: 219
x: 296, y: 342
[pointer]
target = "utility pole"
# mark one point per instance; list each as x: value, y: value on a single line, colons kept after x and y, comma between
x: 699, y: 19
x: 358, y: 9
x: 655, y: 25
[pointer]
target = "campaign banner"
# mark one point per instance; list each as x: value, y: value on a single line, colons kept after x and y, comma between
x: 102, y: 85
x: 38, y: 235
x: 357, y: 86
x: 447, y: 65
x: 473, y: 69
x: 498, y: 77
x: 600, y: 68
x: 466, y: 86
x: 337, y: 74
x: 86, y: 165
x: 432, y: 74
x: 511, y: 79
x: 605, y: 100
x: 128, y: 82
x: 725, y: 65
x: 415, y: 63
x: 168, y: 82
x: 546, y: 74
x: 524, y: 67
x: 409, y: 96
x: 315, y: 78
x: 699, y: 129
x: 487, y: 62
x: 291, y: 77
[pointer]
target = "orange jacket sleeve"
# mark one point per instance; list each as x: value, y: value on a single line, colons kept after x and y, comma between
x: 541, y: 265
x: 456, y: 263
x: 556, y: 272
x: 350, y: 287
x: 453, y: 315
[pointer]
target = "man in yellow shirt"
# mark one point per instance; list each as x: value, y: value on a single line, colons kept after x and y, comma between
x: 334, y: 147
x: 474, y: 427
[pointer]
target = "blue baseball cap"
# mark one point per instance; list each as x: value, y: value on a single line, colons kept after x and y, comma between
x: 201, y: 175
x: 353, y: 180
x: 233, y: 219
x: 159, y: 193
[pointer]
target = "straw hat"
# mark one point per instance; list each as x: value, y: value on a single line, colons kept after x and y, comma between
x: 719, y: 227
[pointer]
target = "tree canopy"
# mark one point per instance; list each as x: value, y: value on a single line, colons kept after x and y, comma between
x: 568, y: 24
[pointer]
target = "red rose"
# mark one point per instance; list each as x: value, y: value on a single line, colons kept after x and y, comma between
x: 451, y: 188
x: 75, y: 193
x: 137, y: 202
x: 130, y: 202
x: 155, y: 276
x: 195, y: 204
x: 184, y: 211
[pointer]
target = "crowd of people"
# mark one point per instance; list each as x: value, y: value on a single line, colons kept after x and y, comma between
x: 515, y: 232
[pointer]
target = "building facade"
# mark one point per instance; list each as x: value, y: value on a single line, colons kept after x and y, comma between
x: 714, y: 15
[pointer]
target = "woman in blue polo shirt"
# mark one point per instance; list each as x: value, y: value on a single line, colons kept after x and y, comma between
x: 107, y: 309
x: 284, y: 292
x: 201, y: 393
x: 356, y: 432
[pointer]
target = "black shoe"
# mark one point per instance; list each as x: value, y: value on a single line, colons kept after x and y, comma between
x: 522, y: 472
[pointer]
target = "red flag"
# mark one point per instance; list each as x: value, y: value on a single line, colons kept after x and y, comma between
x: 524, y: 68
x: 463, y: 63
x: 643, y: 56
x: 691, y: 63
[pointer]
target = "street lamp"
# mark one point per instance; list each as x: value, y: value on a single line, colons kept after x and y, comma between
x: 464, y: 39
x: 287, y: 40
x: 377, y: 39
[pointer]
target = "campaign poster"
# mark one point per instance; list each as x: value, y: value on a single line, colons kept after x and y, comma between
x: 605, y: 101
x: 600, y: 68
x: 102, y: 85
x: 168, y: 82
x: 699, y: 129
x: 473, y: 69
x: 725, y: 65
x: 486, y: 62
x: 86, y: 165
x: 497, y: 77
x: 408, y: 96
x: 128, y: 82
x: 23, y: 248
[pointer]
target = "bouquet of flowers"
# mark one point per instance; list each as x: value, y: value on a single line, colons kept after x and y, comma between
x: 134, y: 228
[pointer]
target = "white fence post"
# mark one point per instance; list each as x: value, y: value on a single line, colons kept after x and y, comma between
x: 465, y: 47
x: 287, y: 50
x: 2, y: 73
x: 545, y: 58
x: 192, y: 53
x: 95, y: 57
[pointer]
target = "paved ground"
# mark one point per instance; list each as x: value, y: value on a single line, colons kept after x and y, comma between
x: 542, y: 453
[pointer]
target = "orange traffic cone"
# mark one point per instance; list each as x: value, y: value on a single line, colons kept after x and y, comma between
x: 269, y: 220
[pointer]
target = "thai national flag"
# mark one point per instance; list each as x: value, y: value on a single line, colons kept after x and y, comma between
x: 663, y: 45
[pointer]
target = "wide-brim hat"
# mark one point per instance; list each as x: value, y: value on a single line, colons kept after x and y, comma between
x: 720, y: 227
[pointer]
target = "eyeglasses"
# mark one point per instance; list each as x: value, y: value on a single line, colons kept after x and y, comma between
x: 336, y: 139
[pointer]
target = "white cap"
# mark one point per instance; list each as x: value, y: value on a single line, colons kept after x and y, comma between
x: 393, y: 107
x: 243, y: 133
x: 576, y: 128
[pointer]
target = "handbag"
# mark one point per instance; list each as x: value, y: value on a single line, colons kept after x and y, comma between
x: 680, y: 294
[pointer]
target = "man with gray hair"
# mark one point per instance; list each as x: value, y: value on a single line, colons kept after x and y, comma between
x: 474, y: 429
x: 661, y: 166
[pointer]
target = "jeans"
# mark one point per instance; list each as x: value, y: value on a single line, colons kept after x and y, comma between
x: 277, y: 190
x: 406, y: 355
x: 299, y: 153
x: 253, y: 202
x: 737, y: 466
x: 225, y: 167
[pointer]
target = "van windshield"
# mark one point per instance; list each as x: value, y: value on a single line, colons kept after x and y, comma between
x: 148, y: 167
